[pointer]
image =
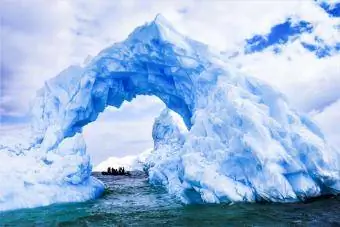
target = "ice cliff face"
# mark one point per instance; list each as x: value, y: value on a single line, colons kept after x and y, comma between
x: 238, y: 141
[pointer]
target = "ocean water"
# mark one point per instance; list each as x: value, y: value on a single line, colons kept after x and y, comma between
x: 131, y: 201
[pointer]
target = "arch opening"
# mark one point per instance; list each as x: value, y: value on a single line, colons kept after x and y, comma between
x: 147, y: 63
x: 114, y: 91
x: 124, y: 131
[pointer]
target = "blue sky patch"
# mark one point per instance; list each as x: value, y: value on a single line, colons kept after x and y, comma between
x: 288, y: 31
x: 279, y: 34
x: 320, y: 52
x: 320, y: 48
x: 332, y: 10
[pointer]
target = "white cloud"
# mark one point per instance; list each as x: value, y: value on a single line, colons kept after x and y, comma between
x: 305, y: 79
x: 328, y: 120
x: 35, y: 44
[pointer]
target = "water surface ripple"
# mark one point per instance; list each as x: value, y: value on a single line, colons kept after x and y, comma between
x: 131, y: 201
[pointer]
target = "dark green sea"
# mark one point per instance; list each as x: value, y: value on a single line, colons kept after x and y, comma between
x: 131, y: 201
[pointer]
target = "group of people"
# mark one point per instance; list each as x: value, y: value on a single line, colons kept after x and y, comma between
x: 119, y: 171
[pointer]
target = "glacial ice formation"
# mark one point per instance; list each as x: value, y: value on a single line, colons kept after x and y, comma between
x: 32, y: 177
x: 129, y: 162
x: 236, y: 139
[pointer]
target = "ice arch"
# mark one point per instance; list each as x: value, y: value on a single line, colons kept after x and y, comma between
x: 150, y: 62
x: 242, y: 141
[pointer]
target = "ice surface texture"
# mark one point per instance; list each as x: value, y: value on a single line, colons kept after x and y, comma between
x: 31, y: 177
x: 236, y: 138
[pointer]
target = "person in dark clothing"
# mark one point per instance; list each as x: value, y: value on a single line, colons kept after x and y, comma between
x: 109, y: 170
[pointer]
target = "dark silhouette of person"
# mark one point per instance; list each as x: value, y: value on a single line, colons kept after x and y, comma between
x: 123, y: 170
x: 109, y: 170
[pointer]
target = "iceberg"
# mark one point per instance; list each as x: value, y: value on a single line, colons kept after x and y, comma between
x: 30, y: 177
x: 224, y: 137
x: 129, y: 162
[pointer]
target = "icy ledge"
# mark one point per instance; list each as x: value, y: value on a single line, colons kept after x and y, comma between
x: 236, y: 139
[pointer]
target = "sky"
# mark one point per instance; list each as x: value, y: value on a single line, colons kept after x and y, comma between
x: 293, y: 45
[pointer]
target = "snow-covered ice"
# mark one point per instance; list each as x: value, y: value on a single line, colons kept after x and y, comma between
x: 236, y: 138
